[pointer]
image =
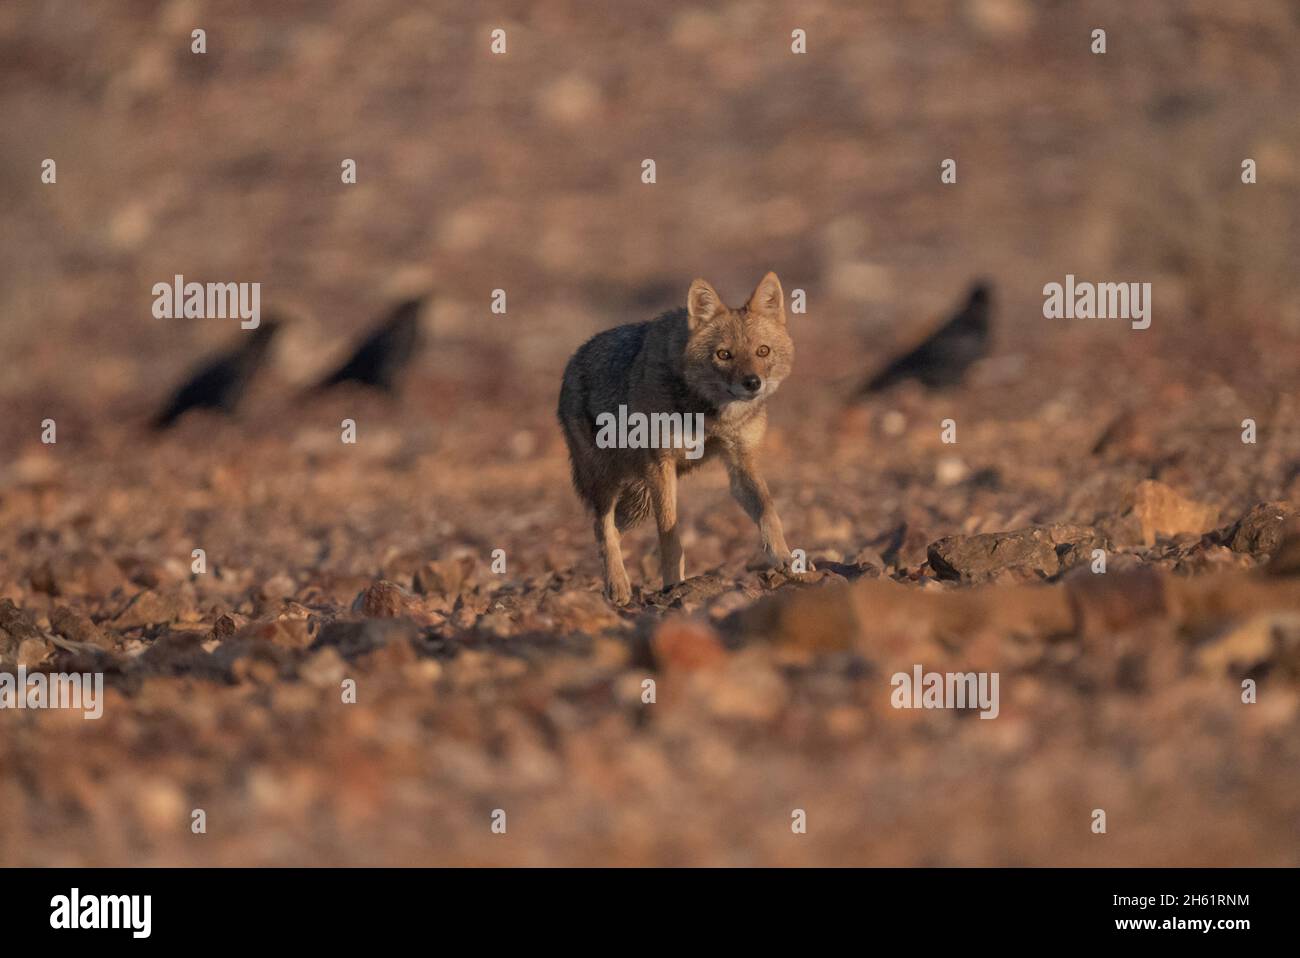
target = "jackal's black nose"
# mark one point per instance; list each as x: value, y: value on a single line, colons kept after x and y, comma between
x: 752, y: 383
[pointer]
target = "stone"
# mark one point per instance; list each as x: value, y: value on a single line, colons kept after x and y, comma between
x: 690, y: 592
x: 278, y: 587
x: 227, y: 624
x: 16, y: 627
x: 76, y: 625
x: 32, y: 652
x: 149, y: 608
x: 1157, y: 510
x: 688, y: 645
x: 388, y: 600
x: 1261, y: 530
x: 444, y: 576
x: 289, y: 632
x: 78, y: 574
x: 1034, y: 552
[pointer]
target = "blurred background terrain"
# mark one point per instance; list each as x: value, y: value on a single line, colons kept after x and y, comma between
x: 522, y: 171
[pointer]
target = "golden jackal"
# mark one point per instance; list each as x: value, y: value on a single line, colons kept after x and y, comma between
x: 631, y: 396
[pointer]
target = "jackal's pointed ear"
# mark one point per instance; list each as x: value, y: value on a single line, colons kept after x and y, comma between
x: 768, y: 299
x: 702, y: 303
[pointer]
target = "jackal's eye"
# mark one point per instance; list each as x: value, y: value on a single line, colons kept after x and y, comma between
x: 723, y: 354
x: 763, y: 350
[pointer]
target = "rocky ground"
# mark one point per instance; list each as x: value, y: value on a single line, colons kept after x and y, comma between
x: 442, y: 568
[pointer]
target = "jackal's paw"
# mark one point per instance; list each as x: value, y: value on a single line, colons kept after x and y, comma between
x: 766, y: 559
x: 807, y: 566
x: 784, y: 563
x: 618, y: 591
x: 798, y: 569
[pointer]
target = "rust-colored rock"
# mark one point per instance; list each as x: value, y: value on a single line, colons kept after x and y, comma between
x: 687, y: 645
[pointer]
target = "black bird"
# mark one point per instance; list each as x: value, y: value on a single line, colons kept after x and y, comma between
x: 220, y: 382
x: 945, y: 355
x: 381, y: 356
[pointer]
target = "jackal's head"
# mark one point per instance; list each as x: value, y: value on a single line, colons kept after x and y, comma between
x: 737, y: 355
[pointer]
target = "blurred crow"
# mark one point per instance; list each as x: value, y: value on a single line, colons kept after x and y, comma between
x: 220, y: 383
x: 380, y: 357
x: 945, y: 355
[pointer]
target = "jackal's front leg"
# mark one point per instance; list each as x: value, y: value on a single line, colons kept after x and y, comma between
x: 617, y: 588
x: 749, y: 489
